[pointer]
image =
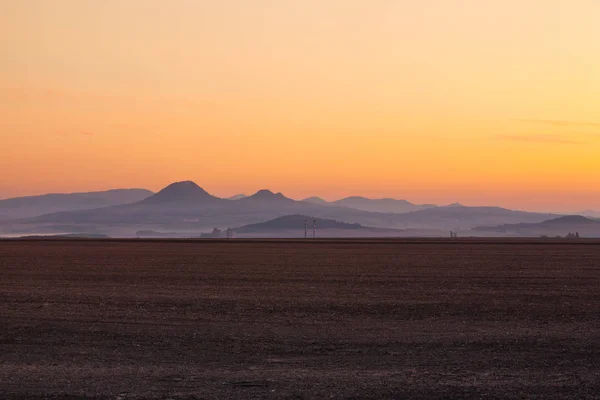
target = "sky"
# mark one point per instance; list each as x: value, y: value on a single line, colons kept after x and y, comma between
x: 434, y: 101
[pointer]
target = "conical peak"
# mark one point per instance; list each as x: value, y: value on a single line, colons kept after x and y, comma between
x: 264, y: 192
x: 266, y: 195
x: 237, y: 197
x: 184, y: 187
x: 315, y: 200
x: 181, y: 192
x: 183, y: 184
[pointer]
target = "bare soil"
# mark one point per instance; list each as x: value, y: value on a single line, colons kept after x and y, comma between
x: 290, y: 319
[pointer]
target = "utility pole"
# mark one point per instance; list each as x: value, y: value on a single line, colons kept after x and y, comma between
x: 305, y: 229
x: 314, y: 228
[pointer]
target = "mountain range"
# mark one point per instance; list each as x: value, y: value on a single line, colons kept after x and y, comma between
x: 31, y: 206
x: 187, y: 208
x: 183, y: 207
x: 386, y: 205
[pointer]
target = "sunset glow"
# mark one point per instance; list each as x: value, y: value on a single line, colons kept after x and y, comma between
x: 435, y: 101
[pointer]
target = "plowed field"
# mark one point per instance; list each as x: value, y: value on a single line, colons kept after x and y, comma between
x: 285, y: 319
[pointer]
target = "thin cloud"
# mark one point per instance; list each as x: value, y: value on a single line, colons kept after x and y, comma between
x: 557, y: 123
x: 539, y: 139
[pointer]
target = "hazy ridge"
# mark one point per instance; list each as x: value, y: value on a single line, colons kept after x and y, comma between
x: 187, y: 208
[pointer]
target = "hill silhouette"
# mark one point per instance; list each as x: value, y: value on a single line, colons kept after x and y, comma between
x: 31, y: 206
x: 293, y: 226
x: 589, y: 213
x: 265, y: 196
x: 186, y: 192
x: 237, y: 197
x: 316, y: 200
x: 552, y: 227
x: 459, y: 217
x: 297, y: 221
x: 386, y: 205
x: 570, y: 220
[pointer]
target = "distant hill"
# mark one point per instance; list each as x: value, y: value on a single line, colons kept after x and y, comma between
x: 292, y: 226
x: 552, y: 227
x: 296, y: 222
x: 589, y: 213
x: 316, y: 200
x: 459, y: 217
x: 267, y: 198
x: 186, y: 192
x: 237, y: 197
x: 570, y: 220
x: 380, y: 205
x: 31, y: 206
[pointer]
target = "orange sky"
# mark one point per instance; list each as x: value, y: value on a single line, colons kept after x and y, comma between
x: 482, y: 102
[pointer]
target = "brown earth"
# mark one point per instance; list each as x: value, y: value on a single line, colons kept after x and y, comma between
x: 289, y: 319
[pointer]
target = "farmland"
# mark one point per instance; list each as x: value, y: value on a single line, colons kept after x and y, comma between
x: 293, y: 319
